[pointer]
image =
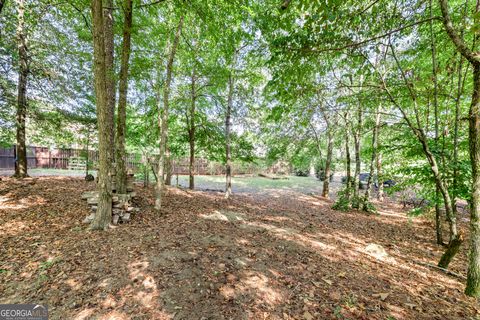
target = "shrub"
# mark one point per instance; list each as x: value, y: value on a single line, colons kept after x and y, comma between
x: 301, y: 172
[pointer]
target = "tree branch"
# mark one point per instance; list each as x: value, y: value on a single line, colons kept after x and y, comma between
x: 362, y: 42
x: 457, y: 41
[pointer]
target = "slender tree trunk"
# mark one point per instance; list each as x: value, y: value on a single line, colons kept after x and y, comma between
x: 191, y: 133
x: 110, y: 76
x: 348, y: 164
x: 438, y: 217
x: 87, y: 155
x: 348, y: 159
x: 121, y: 172
x: 380, y: 195
x: 21, y: 149
x: 438, y: 214
x: 328, y: 162
x: 163, y: 119
x: 473, y: 276
x: 168, y: 166
x: 191, y: 167
x: 366, y: 198
x: 103, y: 214
x: 228, y: 165
x: 439, y: 183
x: 455, y: 239
x: 356, y: 138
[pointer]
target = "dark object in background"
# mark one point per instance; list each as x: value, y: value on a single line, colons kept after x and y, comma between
x: 389, y: 183
x: 301, y: 172
x: 364, y: 180
x: 89, y: 177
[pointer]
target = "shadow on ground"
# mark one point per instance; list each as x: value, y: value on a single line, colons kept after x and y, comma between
x: 284, y: 255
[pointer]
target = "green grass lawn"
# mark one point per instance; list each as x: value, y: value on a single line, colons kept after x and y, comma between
x: 239, y: 184
x: 255, y: 184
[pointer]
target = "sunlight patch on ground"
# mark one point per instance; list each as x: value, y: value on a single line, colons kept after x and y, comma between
x: 114, y: 315
x: 277, y: 219
x: 292, y: 235
x: 84, y: 314
x: 224, y: 216
x: 7, y: 203
x: 257, y: 283
x: 13, y: 227
x: 312, y: 200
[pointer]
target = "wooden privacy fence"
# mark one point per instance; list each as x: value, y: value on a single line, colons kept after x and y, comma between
x: 41, y: 157
x: 69, y: 158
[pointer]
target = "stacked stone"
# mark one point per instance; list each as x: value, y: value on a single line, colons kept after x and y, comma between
x: 122, y: 205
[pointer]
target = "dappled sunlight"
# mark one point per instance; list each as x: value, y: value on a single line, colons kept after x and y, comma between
x: 74, y: 284
x: 114, y: 315
x: 7, y: 203
x: 292, y: 235
x: 224, y: 216
x: 144, y: 288
x: 85, y: 314
x: 14, y: 227
x: 277, y: 219
x: 254, y: 283
x: 249, y: 257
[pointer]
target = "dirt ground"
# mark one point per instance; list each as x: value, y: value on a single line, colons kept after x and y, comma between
x: 278, y: 256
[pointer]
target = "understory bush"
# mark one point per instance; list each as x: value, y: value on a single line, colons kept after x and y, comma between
x: 347, y: 201
x: 301, y: 172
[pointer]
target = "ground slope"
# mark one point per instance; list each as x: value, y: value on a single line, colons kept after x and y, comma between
x: 280, y: 255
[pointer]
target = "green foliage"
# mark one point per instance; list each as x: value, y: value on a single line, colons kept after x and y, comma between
x: 343, y: 202
x: 369, y: 207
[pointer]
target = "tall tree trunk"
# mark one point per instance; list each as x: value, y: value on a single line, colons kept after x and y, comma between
x: 473, y: 274
x: 168, y: 166
x: 438, y: 217
x: 456, y: 135
x: 228, y: 165
x: 21, y: 149
x: 110, y: 72
x: 380, y: 196
x: 191, y: 132
x: 87, y: 153
x: 348, y: 181
x: 366, y: 198
x: 473, y: 277
x: 328, y: 165
x: 357, y: 138
x: 121, y: 172
x: 438, y: 213
x: 455, y: 238
x: 191, y: 166
x: 103, y: 214
x: 460, y: 89
x: 348, y: 164
x: 163, y: 119
x: 328, y: 162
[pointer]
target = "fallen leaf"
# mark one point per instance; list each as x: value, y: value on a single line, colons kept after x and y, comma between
x: 382, y: 295
x: 307, y: 315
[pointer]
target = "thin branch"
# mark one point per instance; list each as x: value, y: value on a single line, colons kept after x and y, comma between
x: 362, y: 42
x: 150, y: 4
